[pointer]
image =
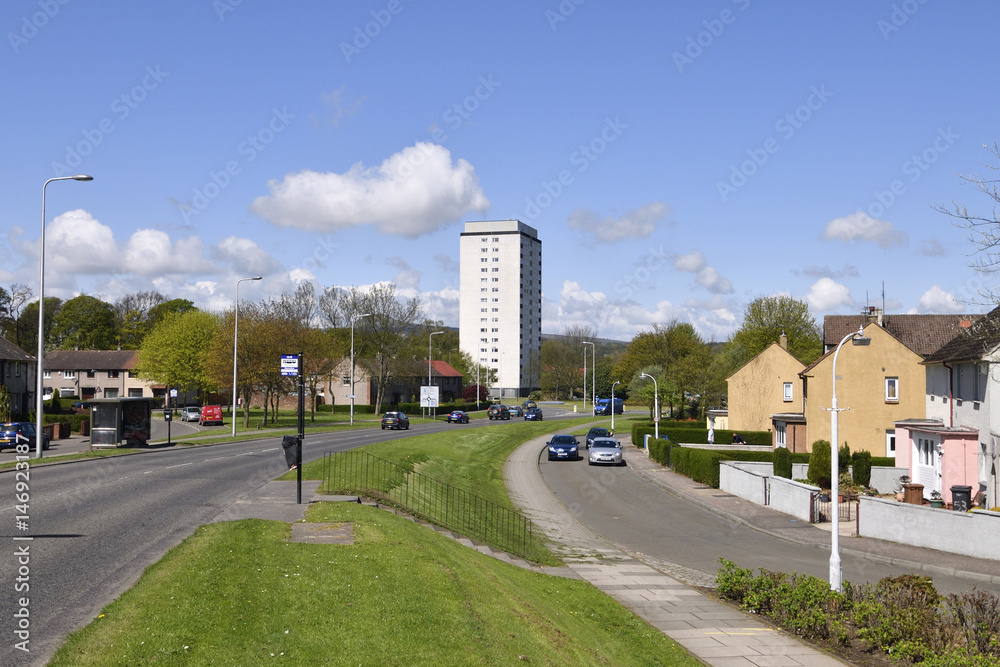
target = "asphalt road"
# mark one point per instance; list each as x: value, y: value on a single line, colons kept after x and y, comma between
x: 646, y: 520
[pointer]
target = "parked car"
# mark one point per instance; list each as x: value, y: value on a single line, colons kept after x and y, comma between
x: 597, y: 432
x: 210, y: 414
x: 12, y: 433
x: 528, y: 404
x: 515, y: 411
x: 458, y: 416
x: 605, y: 450
x: 533, y: 415
x: 498, y: 411
x: 396, y: 420
x: 563, y: 447
x: 192, y: 413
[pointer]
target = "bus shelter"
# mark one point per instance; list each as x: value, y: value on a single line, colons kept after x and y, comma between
x: 117, y: 420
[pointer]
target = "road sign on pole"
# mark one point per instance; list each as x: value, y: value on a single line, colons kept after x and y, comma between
x: 429, y: 397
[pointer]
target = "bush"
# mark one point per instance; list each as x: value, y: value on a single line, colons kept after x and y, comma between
x: 782, y: 462
x: 722, y: 437
x: 659, y: 450
x: 884, y: 461
x: 861, y: 468
x: 898, y: 615
x: 702, y: 465
x: 819, y: 464
x: 844, y: 458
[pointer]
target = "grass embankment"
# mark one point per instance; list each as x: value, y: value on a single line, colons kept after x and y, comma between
x: 241, y: 594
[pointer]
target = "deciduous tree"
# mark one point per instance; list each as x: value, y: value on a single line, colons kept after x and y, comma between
x: 85, y: 323
x: 174, y: 353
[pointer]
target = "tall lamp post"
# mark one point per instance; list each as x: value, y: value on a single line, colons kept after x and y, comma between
x: 613, y: 405
x: 236, y: 330
x: 593, y: 377
x: 656, y: 405
x: 430, y: 354
x: 353, y: 320
x: 39, y: 407
x: 836, y: 574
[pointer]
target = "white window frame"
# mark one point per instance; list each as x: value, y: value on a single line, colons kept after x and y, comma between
x: 786, y: 392
x: 892, y: 390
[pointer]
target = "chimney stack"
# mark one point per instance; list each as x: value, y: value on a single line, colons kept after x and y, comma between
x: 783, y: 341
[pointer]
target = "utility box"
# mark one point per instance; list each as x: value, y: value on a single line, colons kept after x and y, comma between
x: 961, y: 498
x: 913, y: 494
x: 117, y: 420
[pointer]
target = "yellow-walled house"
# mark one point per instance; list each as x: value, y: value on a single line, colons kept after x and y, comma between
x: 881, y: 383
x: 767, y: 384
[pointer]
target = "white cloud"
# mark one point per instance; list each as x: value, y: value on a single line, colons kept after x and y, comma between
x: 150, y: 252
x: 932, y: 248
x: 411, y: 193
x: 936, y: 300
x: 705, y: 275
x: 826, y: 295
x: 860, y: 225
x: 406, y: 276
x: 639, y: 223
x: 621, y: 319
x: 244, y: 256
x: 75, y: 242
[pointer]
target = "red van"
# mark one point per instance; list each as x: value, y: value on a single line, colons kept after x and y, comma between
x: 211, y: 414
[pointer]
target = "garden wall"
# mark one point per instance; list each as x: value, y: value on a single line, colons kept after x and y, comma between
x: 884, y: 480
x: 975, y: 533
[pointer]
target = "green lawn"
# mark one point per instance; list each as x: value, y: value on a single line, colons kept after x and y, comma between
x: 240, y: 593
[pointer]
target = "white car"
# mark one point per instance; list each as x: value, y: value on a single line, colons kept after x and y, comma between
x: 605, y: 450
x: 190, y: 414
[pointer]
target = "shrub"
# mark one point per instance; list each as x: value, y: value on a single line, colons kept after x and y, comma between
x: 844, y: 458
x: 861, y: 464
x: 898, y: 615
x: 782, y: 462
x: 54, y: 404
x: 819, y: 464
x: 659, y: 450
x: 977, y: 615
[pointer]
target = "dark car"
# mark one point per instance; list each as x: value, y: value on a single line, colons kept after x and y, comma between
x: 528, y: 404
x: 597, y: 432
x: 458, y: 416
x: 395, y: 420
x: 13, y: 433
x: 563, y: 447
x: 498, y: 411
x: 533, y: 415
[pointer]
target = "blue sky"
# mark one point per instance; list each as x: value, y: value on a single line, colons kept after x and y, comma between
x: 677, y: 161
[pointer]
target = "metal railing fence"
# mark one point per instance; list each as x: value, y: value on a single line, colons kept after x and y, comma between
x: 354, y: 472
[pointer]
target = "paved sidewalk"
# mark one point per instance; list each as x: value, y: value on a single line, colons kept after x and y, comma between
x: 714, y: 632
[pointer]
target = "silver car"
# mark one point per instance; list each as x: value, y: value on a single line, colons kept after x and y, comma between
x: 190, y: 414
x: 605, y: 450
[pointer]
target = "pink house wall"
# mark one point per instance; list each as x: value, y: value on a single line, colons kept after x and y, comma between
x: 959, y: 456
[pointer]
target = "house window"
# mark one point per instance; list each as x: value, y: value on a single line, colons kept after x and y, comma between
x: 47, y: 375
x: 112, y: 374
x: 779, y: 434
x: 787, y: 391
x: 111, y: 392
x: 135, y: 393
x: 890, y: 443
x: 17, y: 369
x: 90, y: 374
x: 892, y: 390
x: 69, y: 375
x: 345, y: 380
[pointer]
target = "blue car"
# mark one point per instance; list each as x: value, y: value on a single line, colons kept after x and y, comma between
x: 563, y: 447
x: 533, y: 415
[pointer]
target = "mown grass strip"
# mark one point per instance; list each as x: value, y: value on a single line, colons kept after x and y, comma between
x: 240, y: 593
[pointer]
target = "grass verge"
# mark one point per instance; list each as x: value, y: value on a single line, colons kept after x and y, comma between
x: 240, y: 593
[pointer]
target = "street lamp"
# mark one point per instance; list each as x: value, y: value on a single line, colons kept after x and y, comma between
x: 236, y: 329
x: 353, y: 320
x: 430, y: 353
x: 41, y: 314
x: 836, y: 574
x: 613, y: 405
x: 593, y: 377
x: 656, y: 405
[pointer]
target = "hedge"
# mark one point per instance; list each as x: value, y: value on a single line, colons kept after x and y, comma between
x: 722, y: 437
x: 884, y: 461
x: 702, y: 465
x: 659, y: 450
x: 409, y: 408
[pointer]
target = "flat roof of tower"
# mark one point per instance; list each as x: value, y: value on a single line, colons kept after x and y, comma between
x: 490, y: 226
